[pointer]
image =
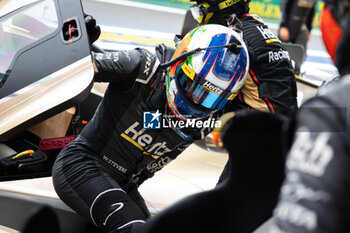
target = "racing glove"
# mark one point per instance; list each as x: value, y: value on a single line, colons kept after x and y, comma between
x: 93, y: 30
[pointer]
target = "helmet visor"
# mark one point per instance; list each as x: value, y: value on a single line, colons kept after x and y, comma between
x: 200, y: 91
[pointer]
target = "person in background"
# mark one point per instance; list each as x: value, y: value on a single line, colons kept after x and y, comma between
x: 296, y: 21
x: 315, y: 194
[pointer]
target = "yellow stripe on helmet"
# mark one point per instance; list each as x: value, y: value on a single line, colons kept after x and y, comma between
x: 188, y: 71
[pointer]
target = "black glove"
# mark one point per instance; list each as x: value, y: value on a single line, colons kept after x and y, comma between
x: 93, y: 30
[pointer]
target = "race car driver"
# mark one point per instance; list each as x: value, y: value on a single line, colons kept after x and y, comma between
x: 148, y: 116
x: 314, y: 196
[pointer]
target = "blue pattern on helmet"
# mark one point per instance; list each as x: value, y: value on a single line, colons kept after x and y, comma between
x: 241, y: 62
x: 222, y: 103
x: 223, y: 68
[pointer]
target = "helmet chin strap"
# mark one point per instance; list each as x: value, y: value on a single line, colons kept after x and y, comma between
x: 234, y: 47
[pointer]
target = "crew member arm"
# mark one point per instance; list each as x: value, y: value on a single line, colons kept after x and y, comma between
x: 119, y: 68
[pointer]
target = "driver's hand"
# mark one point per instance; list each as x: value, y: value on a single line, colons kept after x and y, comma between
x: 93, y: 30
x: 284, y: 34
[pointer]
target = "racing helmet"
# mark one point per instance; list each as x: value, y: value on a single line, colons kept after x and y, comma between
x: 211, y: 76
x: 205, y: 10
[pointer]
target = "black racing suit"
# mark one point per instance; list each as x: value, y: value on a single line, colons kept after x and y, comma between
x: 270, y: 84
x: 315, y: 194
x: 94, y: 173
